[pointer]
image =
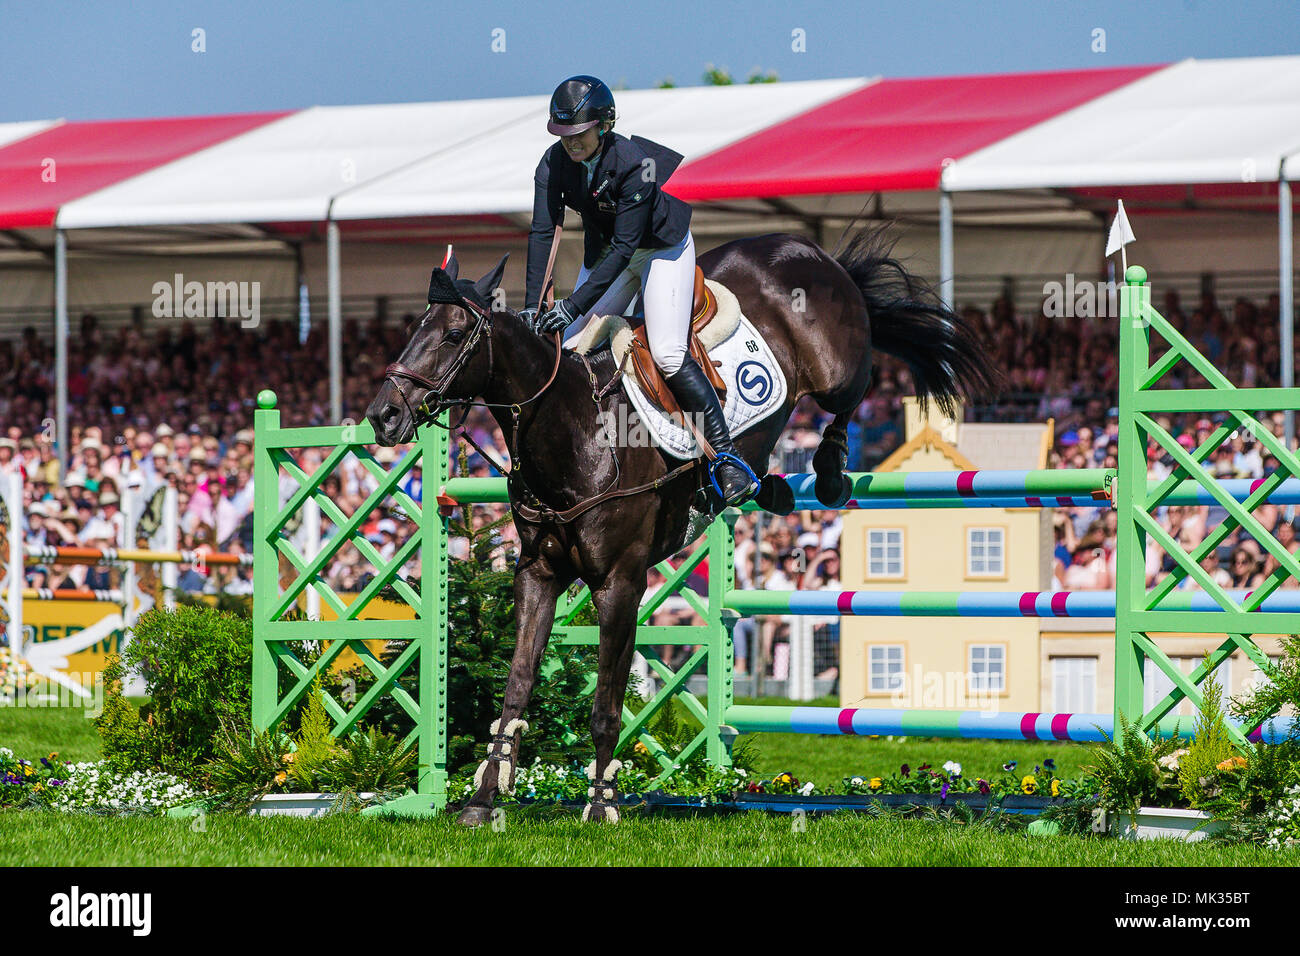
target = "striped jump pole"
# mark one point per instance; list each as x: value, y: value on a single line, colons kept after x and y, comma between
x: 1042, y: 488
x: 62, y: 555
x: 979, y: 603
x: 73, y: 594
x: 970, y: 724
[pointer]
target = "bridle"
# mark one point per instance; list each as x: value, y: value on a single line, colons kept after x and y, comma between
x: 425, y: 413
x: 529, y: 506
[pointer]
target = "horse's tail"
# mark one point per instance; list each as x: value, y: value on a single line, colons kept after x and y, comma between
x: 909, y: 321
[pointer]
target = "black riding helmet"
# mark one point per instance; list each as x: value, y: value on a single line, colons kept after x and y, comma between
x: 578, y: 104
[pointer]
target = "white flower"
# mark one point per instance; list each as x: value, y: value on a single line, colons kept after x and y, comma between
x: 806, y: 789
x: 953, y: 768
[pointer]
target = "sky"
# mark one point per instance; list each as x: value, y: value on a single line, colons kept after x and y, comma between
x: 98, y: 60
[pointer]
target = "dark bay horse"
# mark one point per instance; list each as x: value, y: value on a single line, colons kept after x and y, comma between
x: 820, y: 314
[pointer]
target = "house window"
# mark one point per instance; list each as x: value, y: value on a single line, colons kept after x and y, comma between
x: 987, y: 668
x: 1074, y: 685
x: 884, y: 552
x: 885, y: 668
x: 985, y: 552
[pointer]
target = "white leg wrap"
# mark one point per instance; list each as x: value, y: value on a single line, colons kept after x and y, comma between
x: 610, y: 772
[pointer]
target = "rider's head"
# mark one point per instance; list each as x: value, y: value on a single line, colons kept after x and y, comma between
x: 582, y: 110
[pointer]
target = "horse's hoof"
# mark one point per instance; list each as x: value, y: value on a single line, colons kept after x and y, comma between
x: 474, y: 816
x: 775, y: 495
x: 833, y: 490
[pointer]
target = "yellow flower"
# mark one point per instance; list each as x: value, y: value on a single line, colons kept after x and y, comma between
x: 1056, y: 788
x: 27, y: 771
x: 281, y: 777
x: 37, y: 787
x: 876, y: 783
x: 1028, y: 785
x: 1232, y: 763
x: 640, y: 748
x: 288, y: 758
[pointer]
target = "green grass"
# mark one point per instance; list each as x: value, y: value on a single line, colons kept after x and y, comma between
x: 33, y: 732
x: 560, y: 839
x: 534, y: 836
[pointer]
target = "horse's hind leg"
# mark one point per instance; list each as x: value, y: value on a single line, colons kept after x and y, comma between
x: 832, y: 486
x: 617, y: 603
x: 536, y: 590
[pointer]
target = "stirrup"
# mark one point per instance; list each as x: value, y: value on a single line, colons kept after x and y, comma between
x: 730, y: 459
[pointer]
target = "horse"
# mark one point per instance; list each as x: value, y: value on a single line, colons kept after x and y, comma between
x: 587, y: 510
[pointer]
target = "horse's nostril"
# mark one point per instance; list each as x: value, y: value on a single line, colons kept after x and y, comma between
x: 388, y: 417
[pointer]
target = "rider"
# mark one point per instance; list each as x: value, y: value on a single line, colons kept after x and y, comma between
x: 635, y: 235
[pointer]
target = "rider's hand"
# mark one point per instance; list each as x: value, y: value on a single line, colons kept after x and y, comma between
x: 529, y: 315
x: 559, y: 318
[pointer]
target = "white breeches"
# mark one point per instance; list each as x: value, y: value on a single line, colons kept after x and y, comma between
x: 667, y: 277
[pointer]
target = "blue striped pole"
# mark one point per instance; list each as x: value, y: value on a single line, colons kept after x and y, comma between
x: 981, y: 603
x: 968, y: 724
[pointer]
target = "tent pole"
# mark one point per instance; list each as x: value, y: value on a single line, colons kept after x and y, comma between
x: 61, y: 436
x: 945, y: 248
x: 1286, y: 307
x: 336, y: 322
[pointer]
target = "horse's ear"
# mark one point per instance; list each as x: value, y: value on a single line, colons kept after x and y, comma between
x: 485, y: 285
x: 442, y: 289
x: 449, y: 263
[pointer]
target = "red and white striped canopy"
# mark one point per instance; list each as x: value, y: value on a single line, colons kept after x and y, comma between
x: 1214, y: 125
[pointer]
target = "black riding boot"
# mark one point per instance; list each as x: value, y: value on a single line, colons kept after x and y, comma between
x: 696, y: 396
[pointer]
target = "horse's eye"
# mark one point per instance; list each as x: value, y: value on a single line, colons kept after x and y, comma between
x: 455, y: 335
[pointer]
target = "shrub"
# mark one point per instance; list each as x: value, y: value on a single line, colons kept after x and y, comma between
x: 1210, y: 746
x: 314, y: 746
x: 197, y: 667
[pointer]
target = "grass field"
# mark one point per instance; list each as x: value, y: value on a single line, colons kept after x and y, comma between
x: 750, y: 839
x: 535, y: 836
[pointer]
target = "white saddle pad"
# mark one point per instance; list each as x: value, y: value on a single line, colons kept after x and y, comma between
x: 755, y: 384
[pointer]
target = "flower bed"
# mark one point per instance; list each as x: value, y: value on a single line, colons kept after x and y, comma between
x: 87, y: 787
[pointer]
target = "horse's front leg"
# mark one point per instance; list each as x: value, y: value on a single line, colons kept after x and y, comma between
x: 617, y: 603
x: 536, y: 591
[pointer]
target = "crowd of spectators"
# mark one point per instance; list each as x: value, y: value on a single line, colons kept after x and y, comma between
x: 173, y: 405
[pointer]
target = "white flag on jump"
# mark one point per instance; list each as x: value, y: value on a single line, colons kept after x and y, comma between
x: 1121, y: 234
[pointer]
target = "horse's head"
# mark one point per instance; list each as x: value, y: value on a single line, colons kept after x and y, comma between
x: 447, y: 360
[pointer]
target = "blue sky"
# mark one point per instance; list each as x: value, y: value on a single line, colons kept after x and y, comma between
x: 97, y: 60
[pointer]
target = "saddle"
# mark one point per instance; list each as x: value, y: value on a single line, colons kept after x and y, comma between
x: 703, y: 308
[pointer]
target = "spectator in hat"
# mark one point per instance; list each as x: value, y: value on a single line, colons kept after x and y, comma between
x: 10, y: 462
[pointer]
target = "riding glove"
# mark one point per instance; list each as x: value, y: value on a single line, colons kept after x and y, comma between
x: 559, y: 318
x: 529, y: 315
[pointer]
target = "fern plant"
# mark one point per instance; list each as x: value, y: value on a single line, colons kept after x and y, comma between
x: 247, y: 766
x: 371, y: 761
x: 1210, y: 745
x: 1129, y: 772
